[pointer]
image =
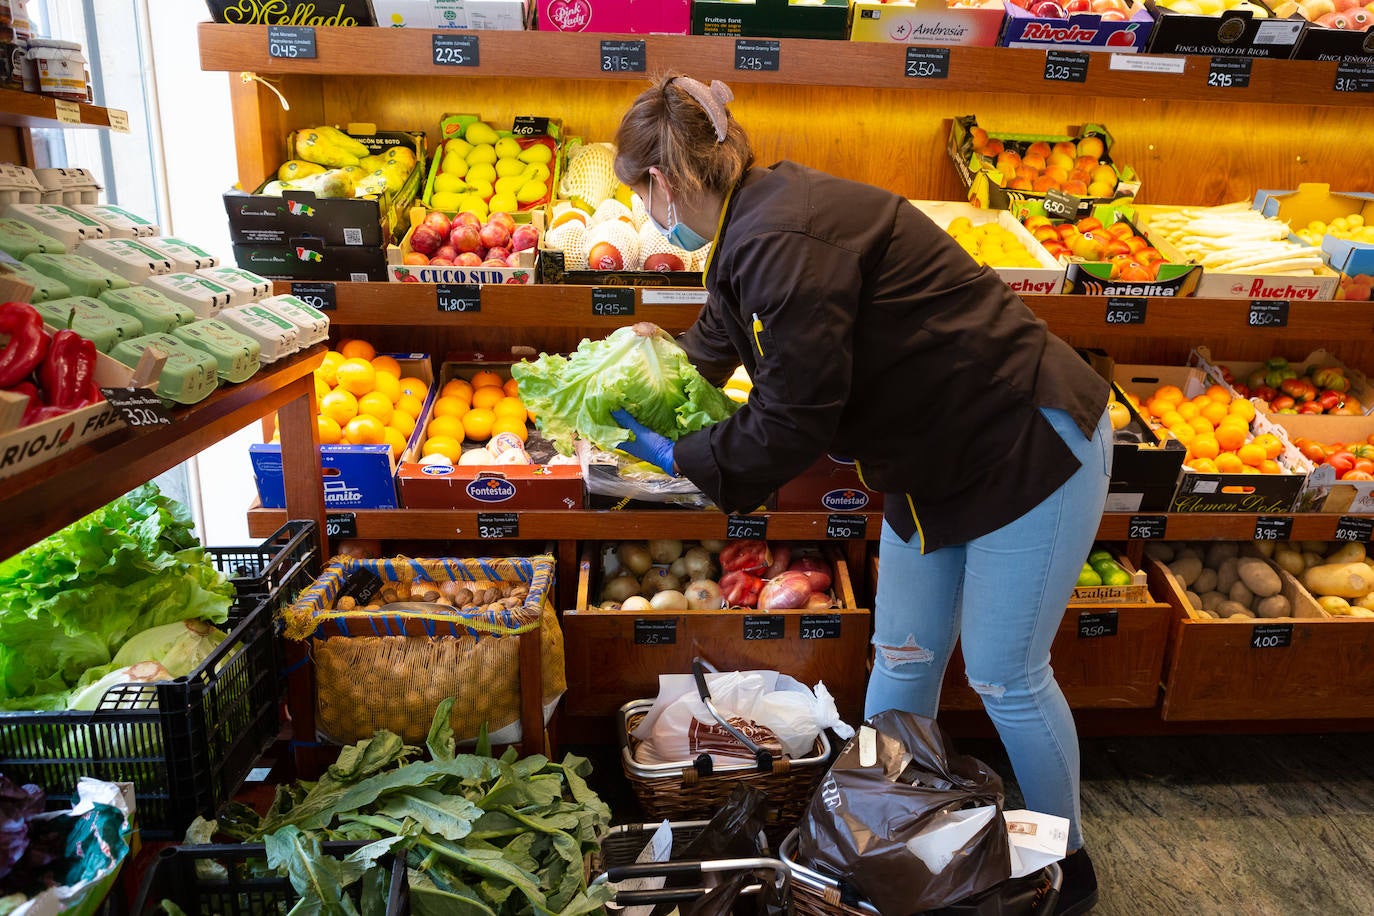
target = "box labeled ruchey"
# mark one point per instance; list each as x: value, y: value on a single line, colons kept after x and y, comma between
x: 508, y: 15
x: 1315, y: 202
x: 355, y: 476
x: 771, y: 18
x: 668, y: 17
x: 1078, y: 31
x: 832, y: 484
x: 292, y: 12
x: 927, y: 22
x: 1045, y: 279
x: 1230, y: 33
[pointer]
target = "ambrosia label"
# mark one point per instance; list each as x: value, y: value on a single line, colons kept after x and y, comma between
x: 287, y: 12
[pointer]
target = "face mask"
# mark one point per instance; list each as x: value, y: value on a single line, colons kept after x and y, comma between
x: 681, y: 234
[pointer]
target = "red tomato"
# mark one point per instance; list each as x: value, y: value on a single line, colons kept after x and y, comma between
x: 1342, y: 462
x: 1313, y: 451
x: 1357, y: 475
x: 1364, y: 464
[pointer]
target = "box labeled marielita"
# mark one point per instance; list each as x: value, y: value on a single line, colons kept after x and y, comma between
x: 669, y: 17
x: 928, y: 22
x: 1107, y: 255
x: 1249, y: 30
x: 1079, y: 31
x: 1336, y: 484
x: 1341, y: 224
x: 508, y: 15
x: 1020, y: 260
x: 355, y: 476
x: 292, y: 12
x: 771, y: 18
x: 334, y: 214
x: 833, y: 484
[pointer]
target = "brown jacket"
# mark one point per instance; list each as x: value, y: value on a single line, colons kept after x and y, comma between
x: 869, y: 333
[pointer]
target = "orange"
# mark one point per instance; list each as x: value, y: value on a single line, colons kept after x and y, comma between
x: 411, y: 405
x: 449, y: 406
x: 477, y: 423
x: 1172, y: 418
x: 447, y: 446
x: 376, y: 404
x: 328, y: 367
x: 1203, y: 465
x: 449, y: 426
x: 365, y: 430
x: 1243, y: 409
x: 511, y: 388
x: 357, y: 349
x: 356, y: 375
x: 330, y: 432
x: 1251, y: 454
x: 1158, y: 408
x: 510, y: 408
x: 1203, y: 446
x: 457, y: 388
x: 1231, y: 437
x: 487, y: 396
x: 1271, y: 444
x: 388, y: 383
x: 1214, y: 412
x: 387, y: 364
x: 1219, y: 394
x: 1201, y: 400
x: 1246, y: 469
x: 1270, y: 466
x: 403, y: 423
x: 487, y: 377
x: 339, y: 406
x: 321, y: 386
x: 414, y: 386
x: 1201, y: 424
x: 1187, y: 410
x: 505, y: 425
x: 1171, y: 393
x: 1183, y: 432
x: 1230, y: 463
x: 393, y: 438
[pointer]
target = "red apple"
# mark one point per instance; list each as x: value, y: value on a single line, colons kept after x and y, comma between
x: 1047, y: 9
x: 415, y: 259
x: 1078, y: 6
x: 524, y: 237
x: 498, y: 254
x: 465, y: 237
x: 468, y: 259
x: 467, y: 219
x: 514, y: 260
x: 439, y: 222
x: 425, y: 239
x: 447, y: 251
x: 504, y: 220
x: 440, y: 262
x: 664, y: 261
x: 605, y: 256
x: 494, y: 262
x: 495, y: 235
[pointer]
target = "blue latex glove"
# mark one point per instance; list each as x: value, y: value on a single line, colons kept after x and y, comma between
x: 646, y: 445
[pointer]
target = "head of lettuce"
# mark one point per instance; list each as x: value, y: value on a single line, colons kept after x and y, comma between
x: 638, y: 369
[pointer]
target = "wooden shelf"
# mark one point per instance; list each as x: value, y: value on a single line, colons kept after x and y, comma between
x: 29, y: 109
x: 42, y: 500
x: 380, y: 52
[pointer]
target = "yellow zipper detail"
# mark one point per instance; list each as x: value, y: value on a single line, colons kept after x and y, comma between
x: 921, y: 534
x: 758, y: 327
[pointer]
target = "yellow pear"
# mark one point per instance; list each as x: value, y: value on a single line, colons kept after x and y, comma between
x: 482, y: 152
x: 482, y: 189
x: 479, y: 133
x: 537, y: 152
x: 481, y: 171
x: 457, y: 145
x: 451, y: 184
x: 507, y: 148
x: 536, y: 171
x: 445, y: 200
x: 506, y: 167
x: 510, y: 184
x: 530, y: 192
x: 503, y: 203
x: 455, y: 165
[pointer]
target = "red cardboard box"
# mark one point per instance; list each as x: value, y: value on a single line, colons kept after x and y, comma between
x: 830, y: 485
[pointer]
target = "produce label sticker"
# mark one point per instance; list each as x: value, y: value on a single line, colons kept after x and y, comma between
x: 138, y: 406
x: 613, y: 301
x: 458, y: 297
x: 1067, y: 66
x: 1273, y: 527
x: 1268, y: 313
x: 530, y: 126
x: 1271, y: 636
x: 927, y: 63
x: 498, y: 525
x: 746, y: 527
x: 67, y: 112
x: 341, y: 525
x: 1354, y: 528
x: 757, y: 54
x: 1147, y: 527
x: 1097, y: 625
x: 655, y: 632
x: 319, y: 296
x: 455, y: 50
x: 1141, y: 63
x: 1125, y: 310
x: 1229, y: 73
x: 622, y: 56
x: 839, y: 527
x: 1355, y: 76
x: 1279, y: 31
x: 764, y: 626
x: 820, y: 626
x: 119, y: 120
x: 294, y: 42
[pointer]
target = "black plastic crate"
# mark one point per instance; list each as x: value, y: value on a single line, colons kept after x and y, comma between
x: 172, y: 876
x: 189, y: 753
x: 279, y: 567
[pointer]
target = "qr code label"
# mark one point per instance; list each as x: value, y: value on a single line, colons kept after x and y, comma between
x: 358, y: 277
x: 353, y: 236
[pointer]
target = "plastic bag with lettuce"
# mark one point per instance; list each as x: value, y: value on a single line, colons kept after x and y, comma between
x: 640, y: 369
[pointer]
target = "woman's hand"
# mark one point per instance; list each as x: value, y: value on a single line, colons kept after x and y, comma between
x: 646, y: 445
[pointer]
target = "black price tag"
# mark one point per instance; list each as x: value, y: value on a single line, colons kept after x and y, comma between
x: 1097, y: 625
x: 455, y: 50
x: 498, y: 525
x: 746, y: 527
x: 341, y: 524
x: 1125, y: 311
x: 927, y: 63
x: 613, y: 301
x: 764, y: 626
x: 1059, y: 205
x: 458, y: 297
x: 1355, y: 76
x: 529, y: 126
x: 622, y: 56
x: 294, y: 42
x: 655, y: 632
x: 1271, y: 636
x: 1268, y: 313
x: 1273, y: 527
x: 1066, y: 66
x: 1229, y: 73
x: 757, y: 54
x: 1354, y: 528
x: 316, y: 295
x: 1147, y: 527
x: 820, y: 626
x: 362, y: 585
x: 846, y: 527
x: 138, y: 406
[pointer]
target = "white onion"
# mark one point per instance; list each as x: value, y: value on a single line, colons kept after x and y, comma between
x: 657, y: 580
x: 636, y: 557
x: 698, y: 563
x: 704, y: 595
x: 636, y: 603
x: 620, y: 588
x: 665, y: 551
x: 669, y: 600
x: 713, y: 546
x: 679, y: 569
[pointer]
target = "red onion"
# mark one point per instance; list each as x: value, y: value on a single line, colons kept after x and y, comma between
x: 818, y: 601
x: 817, y: 571
x: 787, y: 591
x: 782, y: 557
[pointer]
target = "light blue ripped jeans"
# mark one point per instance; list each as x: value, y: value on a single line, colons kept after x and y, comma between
x: 1002, y: 595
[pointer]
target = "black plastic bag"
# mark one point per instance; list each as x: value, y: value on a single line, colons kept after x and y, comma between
x: 735, y: 832
x: 861, y: 818
x: 727, y: 899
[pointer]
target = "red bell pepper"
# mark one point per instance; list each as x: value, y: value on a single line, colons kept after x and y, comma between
x: 746, y: 556
x: 740, y: 589
x: 67, y: 373
x: 28, y: 342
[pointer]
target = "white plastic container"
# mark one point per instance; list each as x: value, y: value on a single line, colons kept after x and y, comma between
x: 118, y: 222
x: 204, y: 296
x: 62, y: 223
x: 68, y: 186
x: 183, y: 255
x: 60, y: 67
x: 127, y: 257
x: 312, y: 325
x: 18, y: 185
x: 275, y: 335
x: 247, y: 286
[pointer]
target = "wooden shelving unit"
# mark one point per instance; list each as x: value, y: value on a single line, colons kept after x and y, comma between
x: 29, y: 109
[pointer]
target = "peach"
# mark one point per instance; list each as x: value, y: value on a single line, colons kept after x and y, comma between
x: 1086, y: 163
x: 1027, y: 173
x: 1079, y: 175
x: 1104, y: 174
x: 1060, y: 160
x: 1122, y: 231
x: 1045, y: 233
x: 1039, y: 148
x: 1033, y: 161
x: 1135, y: 243
x: 1092, y: 146
x: 1035, y: 222
x: 1064, y: 148
x: 1098, y: 189
x: 992, y: 148
x: 978, y: 137
x: 1020, y: 184
x: 1075, y: 187
x: 1088, y: 224
x: 1044, y: 183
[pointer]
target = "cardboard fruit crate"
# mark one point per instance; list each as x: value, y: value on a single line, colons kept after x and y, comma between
x: 1235, y: 33
x: 927, y: 22
x: 820, y: 645
x: 1045, y: 280
x: 1078, y: 32
x: 771, y: 19
x: 832, y: 484
x: 669, y: 17
x: 1137, y: 592
x: 506, y: 15
x: 1323, y: 492
x: 1315, y: 201
x: 527, y: 272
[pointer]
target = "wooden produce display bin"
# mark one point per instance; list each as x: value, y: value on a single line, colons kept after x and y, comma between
x: 1314, y: 666
x: 614, y: 657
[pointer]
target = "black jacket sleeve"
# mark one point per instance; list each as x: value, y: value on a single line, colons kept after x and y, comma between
x: 798, y: 297
x: 708, y: 345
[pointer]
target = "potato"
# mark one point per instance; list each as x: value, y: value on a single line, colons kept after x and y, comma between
x: 1366, y: 602
x: 1312, y: 559
x: 1361, y: 612
x: 1315, y: 547
x: 1211, y: 600
x: 1158, y: 550
x: 1259, y: 577
x: 1186, y: 551
x: 1221, y: 551
x: 1242, y: 617
x: 1232, y: 608
x: 1266, y: 548
x: 1241, y: 594
x: 1334, y: 605
x: 1290, y: 560
x: 1227, y: 575
x: 1187, y: 568
x: 1206, y: 581
x: 1207, y: 615
x: 1273, y: 606
x: 1351, y: 552
x: 1194, y: 599
x: 1348, y: 580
